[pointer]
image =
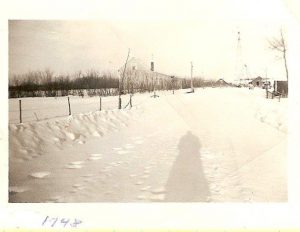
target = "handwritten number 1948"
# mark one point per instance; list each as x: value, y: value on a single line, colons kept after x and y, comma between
x: 49, y: 221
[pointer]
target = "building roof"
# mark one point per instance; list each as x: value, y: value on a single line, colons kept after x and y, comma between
x: 135, y: 64
x: 139, y: 66
x: 221, y: 81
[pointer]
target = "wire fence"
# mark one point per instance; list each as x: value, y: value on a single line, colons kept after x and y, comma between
x: 44, y: 108
x: 37, y: 109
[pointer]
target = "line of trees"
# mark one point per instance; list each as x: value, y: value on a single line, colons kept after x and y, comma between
x: 92, y: 83
x: 45, y: 83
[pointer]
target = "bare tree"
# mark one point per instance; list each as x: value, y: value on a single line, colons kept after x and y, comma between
x: 280, y: 45
x: 122, y: 78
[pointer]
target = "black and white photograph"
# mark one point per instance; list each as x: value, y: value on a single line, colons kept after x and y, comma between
x: 105, y: 111
x: 145, y: 115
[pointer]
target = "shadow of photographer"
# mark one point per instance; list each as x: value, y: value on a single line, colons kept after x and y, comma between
x: 187, y: 182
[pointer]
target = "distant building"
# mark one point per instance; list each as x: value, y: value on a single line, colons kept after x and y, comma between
x: 139, y: 75
x: 221, y: 83
x: 257, y: 82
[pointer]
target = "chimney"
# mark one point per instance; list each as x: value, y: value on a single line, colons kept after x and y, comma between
x: 152, y: 66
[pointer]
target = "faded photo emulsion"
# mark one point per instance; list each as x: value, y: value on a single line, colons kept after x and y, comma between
x: 139, y: 111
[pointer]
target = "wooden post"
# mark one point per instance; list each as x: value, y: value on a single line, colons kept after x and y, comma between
x: 100, y: 103
x: 120, y: 102
x: 69, y: 106
x: 172, y: 86
x: 130, y: 101
x: 20, y: 108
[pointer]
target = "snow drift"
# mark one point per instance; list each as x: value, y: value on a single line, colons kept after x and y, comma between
x: 29, y: 140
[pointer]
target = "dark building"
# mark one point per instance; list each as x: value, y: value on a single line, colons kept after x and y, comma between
x: 281, y: 87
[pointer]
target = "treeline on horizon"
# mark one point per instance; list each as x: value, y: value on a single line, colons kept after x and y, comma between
x: 93, y: 83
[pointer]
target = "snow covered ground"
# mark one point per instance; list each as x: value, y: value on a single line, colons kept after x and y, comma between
x: 41, y: 108
x: 215, y: 145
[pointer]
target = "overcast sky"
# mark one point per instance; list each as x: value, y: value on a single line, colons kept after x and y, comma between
x: 204, y: 32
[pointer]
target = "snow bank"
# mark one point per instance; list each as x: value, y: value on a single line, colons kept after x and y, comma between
x: 269, y: 111
x: 29, y: 140
x: 272, y: 111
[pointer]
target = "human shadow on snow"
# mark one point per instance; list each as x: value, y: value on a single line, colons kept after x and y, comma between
x: 187, y: 182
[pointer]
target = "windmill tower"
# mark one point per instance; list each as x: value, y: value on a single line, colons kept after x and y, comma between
x: 239, y: 69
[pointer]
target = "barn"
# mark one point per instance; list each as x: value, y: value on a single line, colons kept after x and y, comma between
x: 221, y: 83
x: 257, y: 82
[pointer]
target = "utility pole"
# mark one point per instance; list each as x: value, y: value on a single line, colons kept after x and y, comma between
x: 172, y: 82
x: 154, y: 78
x: 267, y: 82
x: 192, y: 87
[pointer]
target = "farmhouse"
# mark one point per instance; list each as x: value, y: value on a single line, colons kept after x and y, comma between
x: 140, y: 76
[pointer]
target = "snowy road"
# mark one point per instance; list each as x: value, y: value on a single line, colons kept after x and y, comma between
x: 204, y: 147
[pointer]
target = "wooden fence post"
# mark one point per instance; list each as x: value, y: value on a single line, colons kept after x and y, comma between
x: 69, y: 106
x: 20, y: 108
x: 120, y: 103
x: 100, y: 104
x: 130, y: 100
